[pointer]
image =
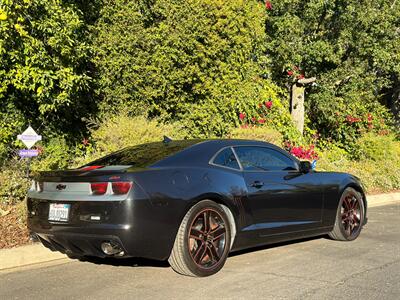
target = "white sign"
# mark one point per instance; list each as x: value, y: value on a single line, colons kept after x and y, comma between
x: 29, y: 137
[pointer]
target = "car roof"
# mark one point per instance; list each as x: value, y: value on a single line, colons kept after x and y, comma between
x: 200, y: 153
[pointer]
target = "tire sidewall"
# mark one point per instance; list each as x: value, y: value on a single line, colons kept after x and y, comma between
x: 195, y: 269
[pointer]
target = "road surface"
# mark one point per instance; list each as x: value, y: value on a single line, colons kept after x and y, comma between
x: 368, y: 268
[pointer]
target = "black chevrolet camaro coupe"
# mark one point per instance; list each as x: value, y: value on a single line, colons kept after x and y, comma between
x: 191, y: 202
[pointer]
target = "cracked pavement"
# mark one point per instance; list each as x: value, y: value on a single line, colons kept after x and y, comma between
x: 319, y: 268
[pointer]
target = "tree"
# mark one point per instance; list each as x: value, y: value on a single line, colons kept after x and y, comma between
x: 190, y: 60
x: 44, y: 76
x: 350, y: 46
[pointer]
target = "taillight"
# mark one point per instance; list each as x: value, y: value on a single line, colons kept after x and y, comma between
x: 121, y: 187
x: 99, y: 188
x: 39, y: 186
x: 89, y: 168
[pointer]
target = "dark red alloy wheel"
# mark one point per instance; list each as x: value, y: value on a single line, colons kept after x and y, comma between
x: 207, y: 238
x: 351, y: 215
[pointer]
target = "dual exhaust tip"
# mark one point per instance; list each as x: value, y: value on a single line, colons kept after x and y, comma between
x: 112, y: 249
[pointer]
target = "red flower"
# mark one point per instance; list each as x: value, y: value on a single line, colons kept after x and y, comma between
x: 290, y: 73
x: 301, y: 76
x: 242, y: 116
x: 369, y: 118
x: 85, y: 142
x: 268, y: 5
x: 253, y: 119
x: 268, y: 104
x: 261, y: 121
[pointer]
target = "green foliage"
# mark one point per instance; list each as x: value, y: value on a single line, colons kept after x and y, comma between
x: 13, y: 182
x: 190, y: 60
x: 261, y: 133
x: 378, y: 164
x: 119, y: 131
x: 378, y: 148
x: 43, y: 67
x: 352, y: 49
x: 55, y: 154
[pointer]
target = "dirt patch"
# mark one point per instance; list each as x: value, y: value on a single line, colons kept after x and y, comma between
x: 13, y: 230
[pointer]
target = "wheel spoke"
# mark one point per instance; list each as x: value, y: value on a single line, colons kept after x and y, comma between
x: 195, y: 234
x: 213, y: 252
x: 200, y: 252
x: 206, y: 221
x: 217, y: 233
x: 346, y: 204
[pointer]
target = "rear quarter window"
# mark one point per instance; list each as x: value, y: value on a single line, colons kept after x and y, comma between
x: 226, y: 158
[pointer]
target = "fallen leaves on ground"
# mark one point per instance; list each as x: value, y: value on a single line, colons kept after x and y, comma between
x: 13, y: 230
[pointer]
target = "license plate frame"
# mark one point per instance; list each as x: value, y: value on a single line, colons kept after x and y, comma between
x: 59, y: 212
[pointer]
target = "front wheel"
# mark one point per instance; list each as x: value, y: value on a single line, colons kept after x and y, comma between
x: 203, y: 241
x: 350, y: 216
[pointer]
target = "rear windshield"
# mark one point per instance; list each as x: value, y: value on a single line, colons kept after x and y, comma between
x: 143, y: 155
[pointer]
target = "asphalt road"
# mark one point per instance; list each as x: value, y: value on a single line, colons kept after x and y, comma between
x: 368, y: 268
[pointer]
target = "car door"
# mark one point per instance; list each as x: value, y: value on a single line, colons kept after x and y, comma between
x: 281, y: 198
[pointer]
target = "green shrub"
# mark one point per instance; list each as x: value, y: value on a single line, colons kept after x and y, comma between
x: 199, y: 62
x: 261, y: 133
x: 120, y: 131
x: 55, y: 154
x: 378, y: 147
x: 377, y: 166
x: 13, y: 182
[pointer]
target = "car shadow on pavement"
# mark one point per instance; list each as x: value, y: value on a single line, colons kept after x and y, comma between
x: 125, y: 262
x: 275, y: 245
x: 143, y: 262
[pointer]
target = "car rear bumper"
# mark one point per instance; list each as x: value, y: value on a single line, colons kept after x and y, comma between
x: 137, y: 227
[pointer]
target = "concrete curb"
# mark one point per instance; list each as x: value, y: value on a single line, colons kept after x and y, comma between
x: 36, y: 253
x: 383, y: 199
x: 27, y: 255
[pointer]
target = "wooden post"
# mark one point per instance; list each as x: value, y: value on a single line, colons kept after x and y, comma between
x: 297, y: 102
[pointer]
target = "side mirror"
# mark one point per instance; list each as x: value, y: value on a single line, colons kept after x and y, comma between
x: 305, y: 166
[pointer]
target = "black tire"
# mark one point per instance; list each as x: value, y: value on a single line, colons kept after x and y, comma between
x: 350, y: 216
x: 203, y: 241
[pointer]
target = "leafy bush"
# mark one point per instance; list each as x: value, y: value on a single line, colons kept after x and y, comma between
x: 55, y: 154
x: 261, y: 133
x: 119, y: 131
x: 13, y: 182
x: 200, y: 62
x: 377, y: 166
x: 44, y: 73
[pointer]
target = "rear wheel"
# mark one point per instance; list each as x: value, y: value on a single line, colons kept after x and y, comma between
x: 349, y: 217
x: 203, y: 241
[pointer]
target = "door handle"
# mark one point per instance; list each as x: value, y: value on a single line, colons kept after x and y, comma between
x: 257, y: 184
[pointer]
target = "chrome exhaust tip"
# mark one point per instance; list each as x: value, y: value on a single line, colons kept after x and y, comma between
x: 111, y: 248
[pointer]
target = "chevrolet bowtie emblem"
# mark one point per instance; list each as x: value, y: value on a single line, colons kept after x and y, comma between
x: 61, y: 187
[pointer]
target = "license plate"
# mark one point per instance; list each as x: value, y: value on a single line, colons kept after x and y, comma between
x: 59, y: 212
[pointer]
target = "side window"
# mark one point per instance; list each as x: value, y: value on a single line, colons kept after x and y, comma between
x: 263, y: 158
x: 226, y: 158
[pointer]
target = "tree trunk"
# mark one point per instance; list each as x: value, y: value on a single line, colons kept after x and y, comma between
x: 297, y: 106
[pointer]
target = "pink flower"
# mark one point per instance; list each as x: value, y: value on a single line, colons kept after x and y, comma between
x: 85, y: 142
x: 268, y: 104
x: 242, y: 116
x: 268, y: 5
x: 253, y: 119
x: 261, y: 121
x: 290, y: 73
